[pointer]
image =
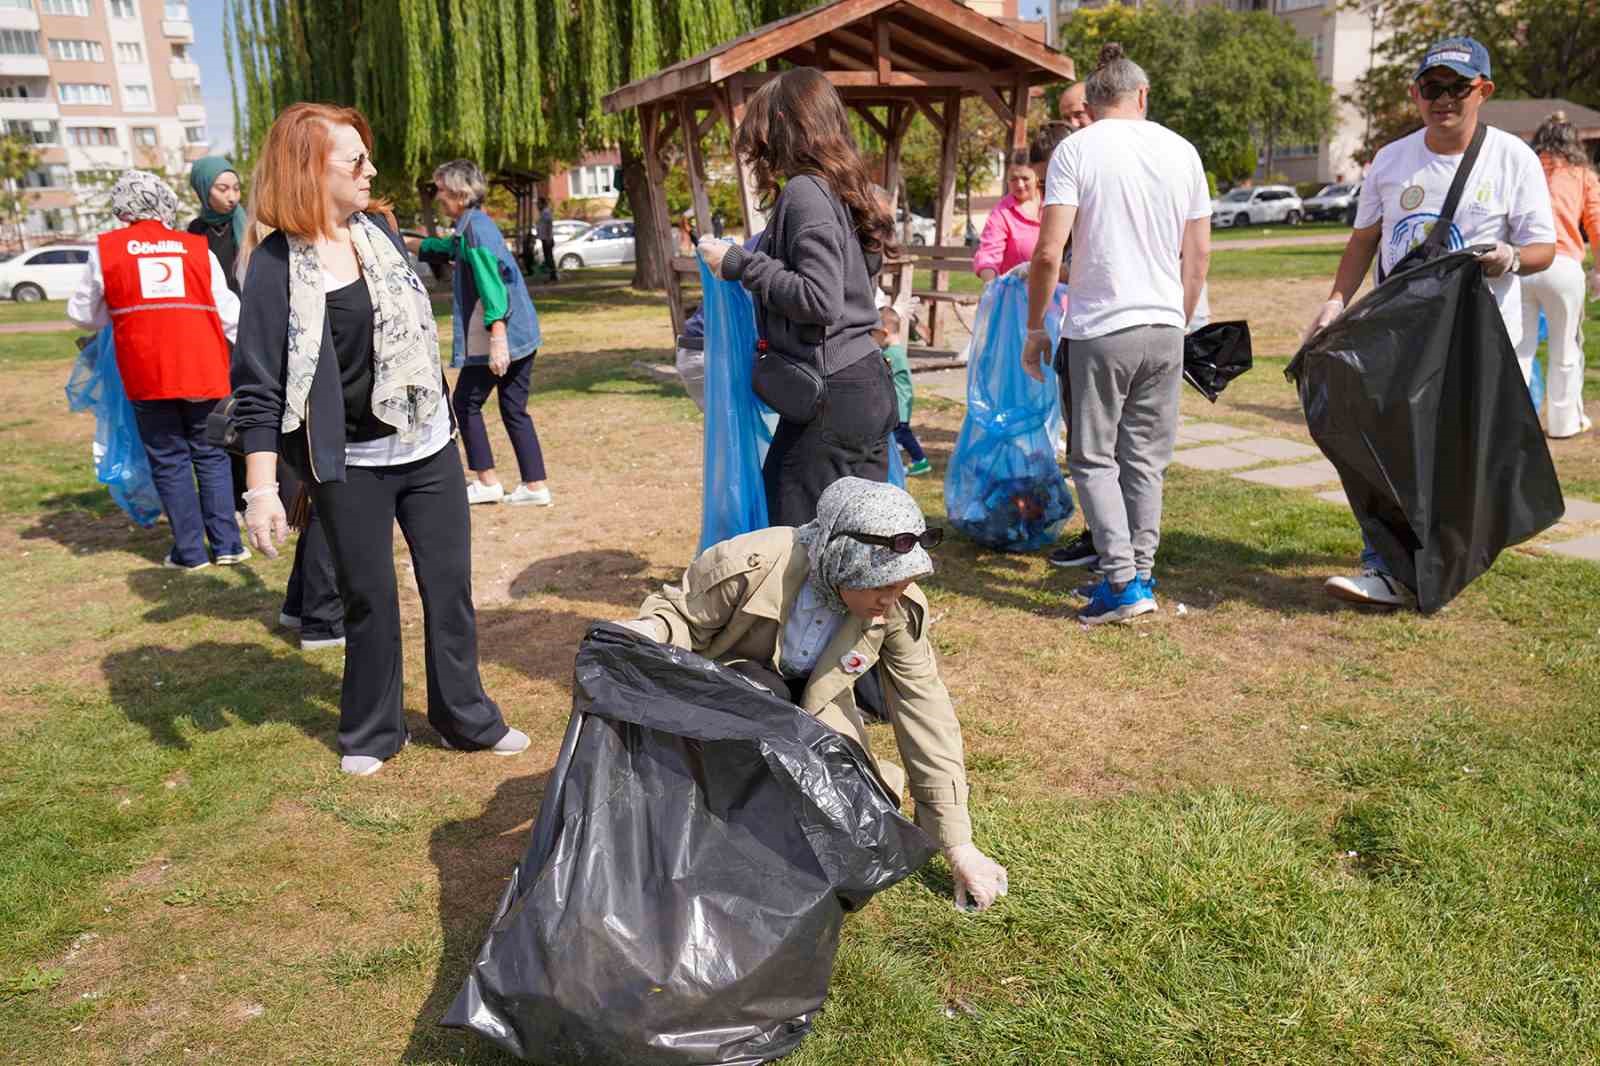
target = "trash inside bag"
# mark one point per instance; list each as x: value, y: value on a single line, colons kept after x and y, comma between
x: 698, y: 845
x: 739, y: 426
x: 120, y: 461
x: 1415, y: 395
x: 1004, y: 488
x: 1216, y: 354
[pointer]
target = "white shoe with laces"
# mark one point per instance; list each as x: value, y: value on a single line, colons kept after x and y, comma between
x: 478, y: 492
x: 1369, y: 588
x: 522, y: 495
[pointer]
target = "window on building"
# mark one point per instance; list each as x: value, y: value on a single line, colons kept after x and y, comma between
x: 1316, y: 50
x: 64, y: 7
x: 16, y: 5
x: 73, y: 49
x: 145, y: 136
x: 180, y: 52
x: 54, y: 176
x: 195, y: 134
x: 121, y: 9
x: 19, y: 42
x: 40, y: 131
x: 95, y: 179
x: 1297, y: 5
x: 130, y: 52
x: 178, y: 9
x: 1297, y: 151
x: 73, y: 92
x: 15, y: 90
x: 593, y: 181
x: 136, y: 95
x: 92, y: 136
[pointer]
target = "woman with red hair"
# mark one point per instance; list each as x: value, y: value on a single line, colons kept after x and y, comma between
x: 336, y: 369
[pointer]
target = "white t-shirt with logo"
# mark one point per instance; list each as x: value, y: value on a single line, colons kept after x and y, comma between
x: 1506, y: 199
x: 1135, y: 184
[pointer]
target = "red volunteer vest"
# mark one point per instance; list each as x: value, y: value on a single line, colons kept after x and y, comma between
x: 170, y: 344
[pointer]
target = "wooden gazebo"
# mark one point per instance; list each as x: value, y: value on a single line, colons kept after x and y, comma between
x: 889, y: 59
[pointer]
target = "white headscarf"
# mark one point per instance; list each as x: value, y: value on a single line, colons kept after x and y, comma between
x: 139, y: 195
x: 857, y: 505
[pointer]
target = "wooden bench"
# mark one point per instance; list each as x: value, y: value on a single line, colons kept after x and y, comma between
x: 941, y: 260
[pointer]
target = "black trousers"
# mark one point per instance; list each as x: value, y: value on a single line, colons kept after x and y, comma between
x: 429, y: 499
x: 848, y: 438
x: 313, y: 591
x: 472, y: 391
x: 549, y: 249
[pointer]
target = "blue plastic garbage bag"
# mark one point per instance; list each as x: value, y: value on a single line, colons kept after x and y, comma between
x: 1004, y: 488
x: 738, y: 425
x: 1536, y: 386
x: 897, y: 466
x: 121, y: 464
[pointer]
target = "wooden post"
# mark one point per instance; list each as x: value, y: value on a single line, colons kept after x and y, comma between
x: 657, y: 174
x: 1019, y: 122
x: 744, y: 177
x: 695, y: 161
x: 900, y: 116
x: 945, y: 209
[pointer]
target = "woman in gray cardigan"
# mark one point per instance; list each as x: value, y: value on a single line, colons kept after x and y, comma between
x: 813, y: 280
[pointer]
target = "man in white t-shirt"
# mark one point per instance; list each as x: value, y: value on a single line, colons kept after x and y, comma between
x: 1133, y: 197
x: 1505, y: 204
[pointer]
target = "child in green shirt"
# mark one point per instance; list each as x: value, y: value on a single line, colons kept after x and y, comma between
x: 894, y: 352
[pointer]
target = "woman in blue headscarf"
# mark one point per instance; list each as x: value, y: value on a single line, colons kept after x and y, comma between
x: 221, y: 220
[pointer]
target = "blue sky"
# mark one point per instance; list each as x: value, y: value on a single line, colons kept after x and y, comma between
x: 207, y: 16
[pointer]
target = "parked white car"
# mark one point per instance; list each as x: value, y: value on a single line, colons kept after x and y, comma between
x: 49, y: 273
x: 1332, y: 201
x: 921, y: 227
x: 1258, y: 204
x: 604, y: 244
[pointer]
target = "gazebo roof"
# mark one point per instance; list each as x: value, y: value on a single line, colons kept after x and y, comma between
x: 872, y: 50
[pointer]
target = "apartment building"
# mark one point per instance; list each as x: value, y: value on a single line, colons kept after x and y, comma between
x: 98, y: 86
x: 1343, y: 43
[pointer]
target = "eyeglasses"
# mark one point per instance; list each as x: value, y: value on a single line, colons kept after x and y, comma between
x: 899, y: 543
x: 357, y: 165
x: 1456, y: 90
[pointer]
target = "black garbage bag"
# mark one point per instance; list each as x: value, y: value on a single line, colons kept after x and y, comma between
x: 698, y: 845
x: 1415, y: 395
x: 1216, y: 354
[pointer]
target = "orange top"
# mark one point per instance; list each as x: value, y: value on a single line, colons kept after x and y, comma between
x: 1574, y: 197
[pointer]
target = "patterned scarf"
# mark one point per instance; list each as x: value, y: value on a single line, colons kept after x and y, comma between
x: 139, y: 195
x: 861, y: 506
x: 407, y: 386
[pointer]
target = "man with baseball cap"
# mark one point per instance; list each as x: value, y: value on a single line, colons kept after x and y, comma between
x: 1505, y: 205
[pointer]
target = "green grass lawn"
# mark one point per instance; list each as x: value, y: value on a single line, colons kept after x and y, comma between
x: 1273, y: 231
x: 41, y: 311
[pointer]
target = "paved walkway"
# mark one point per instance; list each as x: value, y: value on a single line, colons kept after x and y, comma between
x: 1247, y: 244
x: 52, y: 326
x: 1296, y: 465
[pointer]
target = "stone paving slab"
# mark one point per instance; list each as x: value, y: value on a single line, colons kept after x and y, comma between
x: 1582, y: 548
x: 1298, y: 476
x: 951, y: 384
x: 1579, y: 510
x: 1277, y: 448
x: 1215, y: 457
x: 1205, y: 432
x: 1335, y: 496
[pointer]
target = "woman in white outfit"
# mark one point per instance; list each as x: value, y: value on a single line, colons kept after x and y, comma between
x: 1559, y: 291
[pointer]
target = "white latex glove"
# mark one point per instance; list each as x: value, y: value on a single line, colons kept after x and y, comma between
x: 1594, y: 284
x: 1033, y: 353
x: 499, y: 353
x: 1497, y: 260
x: 265, y: 521
x: 1329, y: 311
x: 712, y: 250
x: 979, y: 879
x: 649, y: 628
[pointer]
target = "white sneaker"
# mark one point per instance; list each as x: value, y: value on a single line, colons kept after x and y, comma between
x: 319, y: 643
x: 1369, y: 588
x: 478, y: 492
x: 360, y: 765
x: 169, y: 563
x: 515, y: 742
x: 234, y: 558
x: 522, y: 494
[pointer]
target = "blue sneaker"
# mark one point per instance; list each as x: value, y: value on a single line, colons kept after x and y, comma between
x: 1109, y: 605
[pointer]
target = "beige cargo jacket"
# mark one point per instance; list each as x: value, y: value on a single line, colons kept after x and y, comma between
x: 731, y: 607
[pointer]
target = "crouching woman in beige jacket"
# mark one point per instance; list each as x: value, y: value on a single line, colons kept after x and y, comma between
x: 807, y: 611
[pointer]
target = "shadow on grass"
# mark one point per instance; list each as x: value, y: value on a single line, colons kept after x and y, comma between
x: 473, y: 856
x: 207, y: 594
x: 211, y: 685
x: 88, y: 522
x: 1289, y: 416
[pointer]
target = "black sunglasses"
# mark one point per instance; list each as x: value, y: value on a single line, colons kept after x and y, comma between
x: 1456, y: 90
x: 899, y: 543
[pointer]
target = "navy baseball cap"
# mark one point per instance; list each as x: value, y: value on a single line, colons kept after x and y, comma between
x: 1463, y: 55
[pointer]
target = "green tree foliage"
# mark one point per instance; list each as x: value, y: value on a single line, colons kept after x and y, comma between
x: 18, y: 157
x: 1230, y: 82
x: 1537, y: 48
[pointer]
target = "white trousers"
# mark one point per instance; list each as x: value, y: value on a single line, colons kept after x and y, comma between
x: 1558, y: 292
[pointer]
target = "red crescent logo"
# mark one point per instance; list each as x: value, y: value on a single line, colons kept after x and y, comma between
x: 168, y: 275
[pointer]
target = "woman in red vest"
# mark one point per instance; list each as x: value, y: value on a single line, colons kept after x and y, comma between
x: 165, y: 296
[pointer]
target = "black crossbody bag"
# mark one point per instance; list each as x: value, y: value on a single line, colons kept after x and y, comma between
x: 1433, y: 246
x: 789, y: 384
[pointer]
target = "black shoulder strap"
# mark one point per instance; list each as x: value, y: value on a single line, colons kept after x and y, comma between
x: 1458, y: 185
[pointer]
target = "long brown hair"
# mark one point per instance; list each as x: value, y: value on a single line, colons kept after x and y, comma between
x: 796, y: 124
x: 1558, y: 138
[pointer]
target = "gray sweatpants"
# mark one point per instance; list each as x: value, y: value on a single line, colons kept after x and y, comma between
x: 1124, y: 423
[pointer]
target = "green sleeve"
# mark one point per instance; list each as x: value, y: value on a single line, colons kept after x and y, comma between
x: 491, y: 287
x: 438, y: 246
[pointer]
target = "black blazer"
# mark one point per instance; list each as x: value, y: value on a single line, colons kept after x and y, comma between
x: 260, y: 364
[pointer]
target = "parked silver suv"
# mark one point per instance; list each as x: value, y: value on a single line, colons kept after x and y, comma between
x: 1256, y: 204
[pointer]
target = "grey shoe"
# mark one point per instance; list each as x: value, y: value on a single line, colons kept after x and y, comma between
x: 319, y: 643
x: 515, y: 742
x: 360, y: 765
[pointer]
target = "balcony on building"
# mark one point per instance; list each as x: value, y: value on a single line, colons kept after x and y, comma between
x: 24, y: 66
x: 41, y: 107
x: 183, y: 70
x: 18, y: 18
x: 191, y: 112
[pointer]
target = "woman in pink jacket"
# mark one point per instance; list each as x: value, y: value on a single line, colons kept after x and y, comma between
x: 1013, y: 226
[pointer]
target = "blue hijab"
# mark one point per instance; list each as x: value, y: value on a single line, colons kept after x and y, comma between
x: 202, y: 176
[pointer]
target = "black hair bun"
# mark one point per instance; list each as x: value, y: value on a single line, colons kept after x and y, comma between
x: 1110, y: 53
